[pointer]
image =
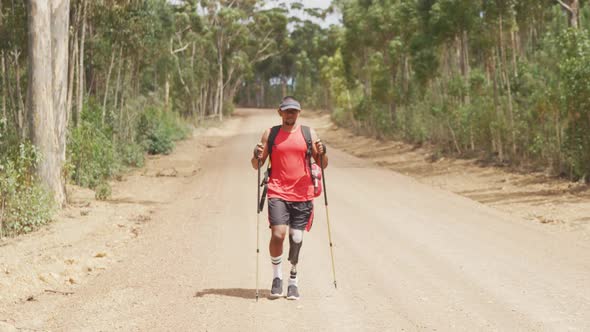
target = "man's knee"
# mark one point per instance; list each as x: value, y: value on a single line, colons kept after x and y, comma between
x: 278, y: 234
x: 296, y: 235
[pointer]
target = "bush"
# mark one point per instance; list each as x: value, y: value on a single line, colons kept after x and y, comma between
x: 156, y: 131
x: 103, y: 191
x: 131, y: 154
x: 159, y: 142
x: 24, y: 204
x: 91, y: 154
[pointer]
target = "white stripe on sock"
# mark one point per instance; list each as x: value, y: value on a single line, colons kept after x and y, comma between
x: 277, y: 265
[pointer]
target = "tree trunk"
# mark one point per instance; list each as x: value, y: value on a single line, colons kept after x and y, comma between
x: 118, y: 86
x: 137, y: 78
x: 466, y: 54
x: 89, y: 72
x: 575, y: 14
x: 60, y: 23
x: 454, y: 137
x: 262, y: 94
x: 40, y: 103
x: 499, y: 117
x: 248, y: 95
x: 406, y: 85
x: 234, y: 89
x: 167, y: 93
x: 2, y: 204
x: 20, y: 111
x: 466, y: 66
x: 220, y: 91
x: 514, y: 52
x: 4, y: 89
x: 106, y: 89
x: 4, y: 94
x: 510, y: 112
x: 126, y: 69
x: 11, y: 97
x: 284, y: 86
x: 506, y: 79
x: 73, y: 64
x: 80, y: 103
x: 204, y: 97
x: 216, y: 98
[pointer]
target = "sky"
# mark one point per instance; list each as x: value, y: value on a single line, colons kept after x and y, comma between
x: 331, y: 19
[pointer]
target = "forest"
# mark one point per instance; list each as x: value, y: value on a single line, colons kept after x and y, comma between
x: 88, y: 88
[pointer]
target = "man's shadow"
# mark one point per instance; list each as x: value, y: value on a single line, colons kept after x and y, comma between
x: 236, y: 292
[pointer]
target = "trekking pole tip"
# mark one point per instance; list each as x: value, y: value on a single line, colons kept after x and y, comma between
x: 335, y: 285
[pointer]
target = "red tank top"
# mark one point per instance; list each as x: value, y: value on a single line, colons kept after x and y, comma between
x: 290, y: 179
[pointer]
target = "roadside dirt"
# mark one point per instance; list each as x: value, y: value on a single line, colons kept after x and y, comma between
x: 173, y: 249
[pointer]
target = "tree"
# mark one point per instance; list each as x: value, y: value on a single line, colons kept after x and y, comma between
x: 46, y: 91
x: 59, y: 53
x: 573, y: 11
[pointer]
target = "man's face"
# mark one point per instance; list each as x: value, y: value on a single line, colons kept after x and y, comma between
x: 289, y: 116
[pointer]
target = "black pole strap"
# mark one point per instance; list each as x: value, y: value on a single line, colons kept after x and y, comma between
x: 264, y: 184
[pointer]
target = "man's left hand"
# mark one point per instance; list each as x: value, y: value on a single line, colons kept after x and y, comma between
x: 321, y: 147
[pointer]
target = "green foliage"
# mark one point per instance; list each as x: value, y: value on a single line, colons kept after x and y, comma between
x: 24, y: 203
x: 499, y: 79
x: 157, y: 130
x: 91, y: 154
x: 575, y: 70
x: 131, y: 154
x: 103, y: 191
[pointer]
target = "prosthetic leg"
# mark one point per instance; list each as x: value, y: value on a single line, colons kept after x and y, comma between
x: 295, y: 242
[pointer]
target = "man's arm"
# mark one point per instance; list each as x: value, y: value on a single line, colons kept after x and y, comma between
x: 318, y: 150
x: 260, y: 150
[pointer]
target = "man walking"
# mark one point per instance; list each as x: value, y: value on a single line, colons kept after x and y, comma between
x: 290, y: 188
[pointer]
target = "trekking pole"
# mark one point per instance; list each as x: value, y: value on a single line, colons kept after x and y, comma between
x: 257, y: 227
x: 328, y: 219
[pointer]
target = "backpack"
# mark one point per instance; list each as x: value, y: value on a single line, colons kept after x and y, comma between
x: 315, y: 171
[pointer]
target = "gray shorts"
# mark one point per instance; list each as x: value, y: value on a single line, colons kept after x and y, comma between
x: 296, y: 215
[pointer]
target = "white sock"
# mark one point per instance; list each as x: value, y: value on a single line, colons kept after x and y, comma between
x: 277, y: 267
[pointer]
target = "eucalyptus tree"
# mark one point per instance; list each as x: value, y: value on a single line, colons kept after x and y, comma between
x: 573, y: 10
x: 13, y: 52
x: 243, y: 35
x: 48, y: 23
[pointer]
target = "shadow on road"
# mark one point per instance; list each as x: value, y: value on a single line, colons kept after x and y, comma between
x: 234, y: 292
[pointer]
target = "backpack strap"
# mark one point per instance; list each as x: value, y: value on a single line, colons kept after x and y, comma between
x: 274, y: 131
x: 306, y: 131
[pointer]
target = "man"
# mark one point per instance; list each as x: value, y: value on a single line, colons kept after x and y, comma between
x: 290, y: 190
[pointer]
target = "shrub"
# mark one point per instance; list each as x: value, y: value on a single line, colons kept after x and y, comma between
x: 24, y: 203
x: 91, y: 154
x: 131, y: 154
x: 156, y: 131
x: 103, y: 191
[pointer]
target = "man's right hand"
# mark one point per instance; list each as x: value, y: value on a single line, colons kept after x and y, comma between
x: 258, y: 151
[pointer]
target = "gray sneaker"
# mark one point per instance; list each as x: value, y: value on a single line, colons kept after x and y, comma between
x: 277, y: 288
x: 292, y: 292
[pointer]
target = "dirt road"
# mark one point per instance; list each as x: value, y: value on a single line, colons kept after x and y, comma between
x: 178, y: 254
